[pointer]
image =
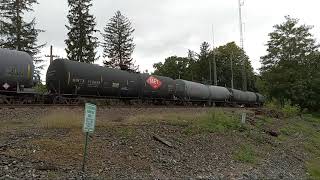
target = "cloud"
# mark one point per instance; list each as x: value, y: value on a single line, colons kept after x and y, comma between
x: 170, y: 27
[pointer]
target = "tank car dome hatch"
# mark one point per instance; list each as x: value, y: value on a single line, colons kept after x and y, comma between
x: 16, y: 68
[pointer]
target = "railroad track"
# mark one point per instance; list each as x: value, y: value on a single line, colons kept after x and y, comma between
x: 13, y: 106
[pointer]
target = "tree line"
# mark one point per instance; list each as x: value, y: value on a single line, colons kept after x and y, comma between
x: 289, y: 74
x: 195, y: 66
x: 19, y: 34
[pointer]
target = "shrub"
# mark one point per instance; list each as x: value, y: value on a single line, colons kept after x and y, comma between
x: 290, y: 110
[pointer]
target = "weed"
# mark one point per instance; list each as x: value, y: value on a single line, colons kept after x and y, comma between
x: 215, y: 121
x: 52, y: 175
x: 125, y: 132
x: 245, y: 154
x: 290, y: 110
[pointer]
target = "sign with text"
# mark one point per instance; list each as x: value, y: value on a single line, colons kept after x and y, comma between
x: 89, y: 118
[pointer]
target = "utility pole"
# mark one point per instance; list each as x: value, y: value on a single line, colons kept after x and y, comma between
x: 51, y: 56
x: 231, y: 66
x: 210, y: 72
x: 244, y: 78
x: 214, y: 61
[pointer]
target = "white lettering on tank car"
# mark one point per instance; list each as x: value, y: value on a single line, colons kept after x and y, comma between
x: 115, y: 85
x: 93, y: 83
x: 78, y: 81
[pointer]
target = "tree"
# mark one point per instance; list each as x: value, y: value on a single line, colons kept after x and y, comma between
x: 195, y: 67
x: 288, y: 68
x: 81, y: 43
x: 202, y: 63
x: 118, y: 43
x: 174, y: 67
x: 231, y: 53
x: 18, y: 34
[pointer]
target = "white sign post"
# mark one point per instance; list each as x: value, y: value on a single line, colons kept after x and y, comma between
x: 88, y: 127
x: 243, y: 118
x: 90, y: 118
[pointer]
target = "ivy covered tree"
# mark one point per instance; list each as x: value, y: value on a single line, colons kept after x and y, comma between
x: 290, y: 68
x: 17, y: 33
x: 81, y: 42
x: 118, y: 43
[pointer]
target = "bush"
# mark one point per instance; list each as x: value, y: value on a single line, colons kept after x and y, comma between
x: 290, y: 110
x: 287, y: 108
x: 273, y: 104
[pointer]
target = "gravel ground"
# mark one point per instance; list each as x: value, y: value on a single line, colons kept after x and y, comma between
x: 122, y: 150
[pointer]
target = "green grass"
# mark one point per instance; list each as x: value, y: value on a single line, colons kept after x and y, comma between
x: 215, y: 121
x: 245, y: 154
x: 307, y: 127
x: 124, y: 132
x: 314, y: 169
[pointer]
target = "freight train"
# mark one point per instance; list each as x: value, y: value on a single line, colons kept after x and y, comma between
x: 71, y: 82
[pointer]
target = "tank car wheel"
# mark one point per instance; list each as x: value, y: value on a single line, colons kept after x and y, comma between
x: 8, y: 100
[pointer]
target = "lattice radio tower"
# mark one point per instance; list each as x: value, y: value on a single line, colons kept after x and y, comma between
x: 244, y: 76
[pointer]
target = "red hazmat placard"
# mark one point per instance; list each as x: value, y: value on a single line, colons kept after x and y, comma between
x: 154, y: 82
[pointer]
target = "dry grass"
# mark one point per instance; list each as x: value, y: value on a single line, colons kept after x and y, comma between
x: 62, y: 119
x: 167, y: 118
x: 56, y: 151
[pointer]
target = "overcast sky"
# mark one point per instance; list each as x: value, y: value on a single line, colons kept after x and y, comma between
x: 170, y: 27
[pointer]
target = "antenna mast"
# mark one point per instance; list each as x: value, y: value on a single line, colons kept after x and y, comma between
x: 244, y: 78
x: 215, y: 82
x: 241, y: 3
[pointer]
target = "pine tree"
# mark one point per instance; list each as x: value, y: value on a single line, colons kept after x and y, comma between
x: 81, y: 43
x: 203, y: 63
x: 18, y: 34
x: 118, y: 43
